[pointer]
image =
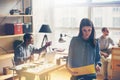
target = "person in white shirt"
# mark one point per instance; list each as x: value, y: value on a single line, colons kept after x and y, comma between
x: 105, y: 41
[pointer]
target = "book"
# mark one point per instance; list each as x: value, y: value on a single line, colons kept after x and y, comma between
x: 89, y: 69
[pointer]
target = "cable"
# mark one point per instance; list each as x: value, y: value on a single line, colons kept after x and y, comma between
x: 65, y: 35
x: 3, y: 20
x: 4, y: 49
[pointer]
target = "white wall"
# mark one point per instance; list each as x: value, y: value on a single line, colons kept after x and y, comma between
x: 42, y: 11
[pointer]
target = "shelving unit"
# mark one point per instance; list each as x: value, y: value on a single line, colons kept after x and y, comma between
x: 6, y: 17
x: 17, y: 17
x: 6, y: 40
x: 8, y: 36
x: 3, y: 15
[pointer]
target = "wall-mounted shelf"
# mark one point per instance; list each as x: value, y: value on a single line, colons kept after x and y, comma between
x: 8, y: 36
x: 24, y: 17
x: 3, y: 15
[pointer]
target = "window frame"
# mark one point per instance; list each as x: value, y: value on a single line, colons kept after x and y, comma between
x: 90, y: 6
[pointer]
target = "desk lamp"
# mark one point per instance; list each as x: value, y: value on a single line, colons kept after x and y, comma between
x: 61, y: 40
x: 45, y: 29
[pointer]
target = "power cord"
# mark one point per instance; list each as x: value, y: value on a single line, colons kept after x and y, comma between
x: 4, y: 49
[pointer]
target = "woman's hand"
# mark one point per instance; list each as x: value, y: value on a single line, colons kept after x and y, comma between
x: 104, y: 54
x: 98, y: 68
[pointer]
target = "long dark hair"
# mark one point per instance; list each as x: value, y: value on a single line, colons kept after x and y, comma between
x: 87, y: 22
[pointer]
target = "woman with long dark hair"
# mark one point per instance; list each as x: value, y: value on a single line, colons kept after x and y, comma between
x: 84, y: 51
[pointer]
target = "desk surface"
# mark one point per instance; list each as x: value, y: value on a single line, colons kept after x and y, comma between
x: 33, y: 69
x: 37, y: 69
x: 36, y: 73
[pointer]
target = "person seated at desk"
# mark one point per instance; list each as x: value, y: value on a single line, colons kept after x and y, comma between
x: 105, y: 42
x: 25, y: 50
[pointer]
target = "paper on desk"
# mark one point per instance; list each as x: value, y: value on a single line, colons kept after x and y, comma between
x: 39, y: 68
x: 90, y: 69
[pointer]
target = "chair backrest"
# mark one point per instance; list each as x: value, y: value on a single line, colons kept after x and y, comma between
x: 16, y: 43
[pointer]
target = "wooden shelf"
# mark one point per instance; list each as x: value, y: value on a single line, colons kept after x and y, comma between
x: 8, y: 36
x: 6, y: 17
x: 2, y: 15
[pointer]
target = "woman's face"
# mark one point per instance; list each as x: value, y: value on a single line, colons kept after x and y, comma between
x: 86, y: 30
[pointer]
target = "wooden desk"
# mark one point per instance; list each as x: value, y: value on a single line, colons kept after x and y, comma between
x: 115, y: 62
x: 37, y: 72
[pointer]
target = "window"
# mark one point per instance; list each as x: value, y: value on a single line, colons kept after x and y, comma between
x: 69, y: 16
x: 64, y: 2
x: 106, y: 16
x: 98, y: 21
x: 104, y: 0
x: 116, y: 10
x: 116, y: 21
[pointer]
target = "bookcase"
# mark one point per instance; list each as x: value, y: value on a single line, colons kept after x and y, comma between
x: 21, y: 14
